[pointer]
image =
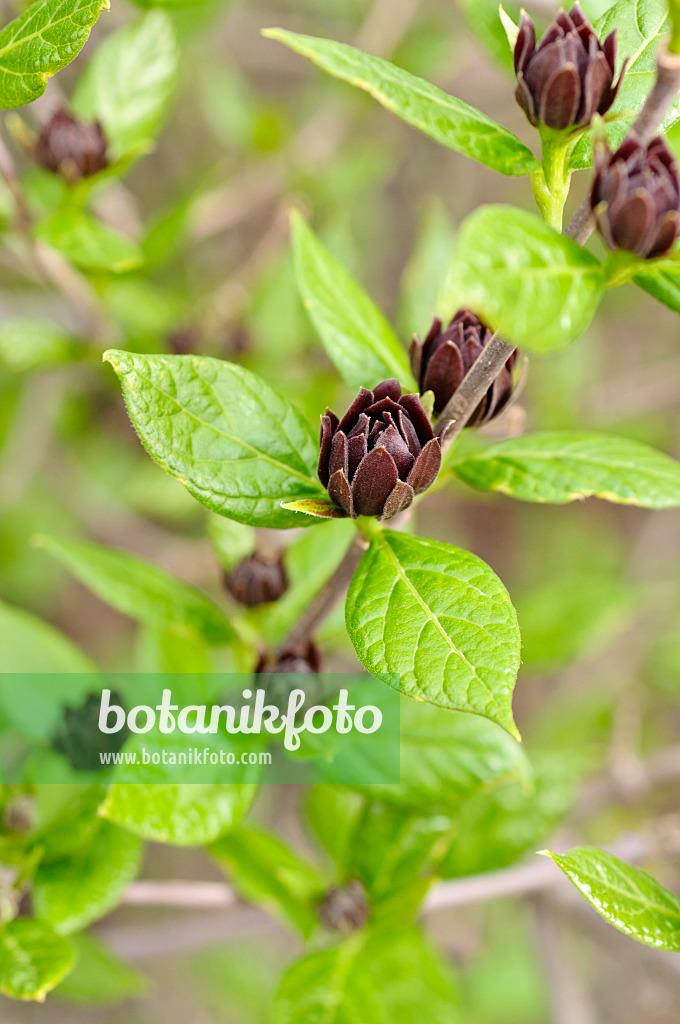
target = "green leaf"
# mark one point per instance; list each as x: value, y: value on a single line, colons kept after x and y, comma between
x: 384, y: 975
x: 88, y: 243
x: 494, y: 28
x: 267, y: 872
x: 499, y: 824
x: 355, y: 334
x: 441, y: 620
x: 33, y: 959
x: 40, y: 42
x: 447, y: 758
x: 139, y: 588
x: 562, y: 466
x: 191, y: 814
x: 391, y: 848
x: 423, y: 276
x: 99, y: 977
x: 320, y: 508
x: 236, y: 445
x: 129, y: 81
x: 28, y: 344
x: 627, y: 897
x: 442, y: 117
x: 640, y: 26
x: 232, y: 541
x: 30, y: 645
x: 538, y: 288
x: 76, y: 890
x: 661, y: 279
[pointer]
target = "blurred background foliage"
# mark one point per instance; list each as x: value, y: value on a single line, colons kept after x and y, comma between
x: 244, y: 131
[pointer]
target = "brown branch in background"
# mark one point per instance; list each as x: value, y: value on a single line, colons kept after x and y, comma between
x: 50, y: 266
x: 568, y: 997
x: 474, y: 386
x: 327, y: 597
x: 537, y: 876
x: 645, y: 126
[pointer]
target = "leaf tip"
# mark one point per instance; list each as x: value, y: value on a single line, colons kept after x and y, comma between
x: 272, y: 33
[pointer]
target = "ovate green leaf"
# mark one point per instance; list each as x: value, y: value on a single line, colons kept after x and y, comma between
x: 139, y: 588
x: 536, y: 287
x: 627, y: 897
x: 99, y: 977
x: 441, y: 620
x: 33, y: 959
x: 385, y: 975
x: 40, y: 42
x: 267, y: 872
x: 30, y: 645
x: 661, y: 279
x: 444, y: 118
x: 88, y: 243
x: 561, y: 467
x: 128, y: 82
x: 236, y: 445
x: 355, y: 334
x: 640, y: 26
x: 28, y: 344
x: 77, y: 889
x: 448, y: 758
x: 182, y: 814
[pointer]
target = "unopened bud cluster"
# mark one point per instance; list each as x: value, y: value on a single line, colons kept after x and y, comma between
x: 72, y: 148
x: 569, y: 77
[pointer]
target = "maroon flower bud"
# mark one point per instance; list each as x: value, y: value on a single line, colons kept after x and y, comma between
x: 345, y: 909
x: 257, y: 580
x: 184, y: 341
x: 302, y: 658
x: 442, y: 361
x: 380, y: 455
x: 570, y: 76
x: 72, y: 148
x: 636, y: 197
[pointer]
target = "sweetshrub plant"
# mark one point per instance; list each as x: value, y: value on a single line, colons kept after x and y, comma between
x: 424, y: 616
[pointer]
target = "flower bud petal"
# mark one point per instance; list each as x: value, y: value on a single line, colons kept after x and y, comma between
x: 426, y: 466
x: 400, y: 498
x: 341, y: 493
x: 373, y: 482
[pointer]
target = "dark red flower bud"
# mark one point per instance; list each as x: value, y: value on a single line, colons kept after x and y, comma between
x: 380, y: 455
x: 442, y: 361
x: 302, y: 658
x: 184, y: 341
x: 345, y: 909
x: 636, y: 197
x: 257, y: 580
x: 75, y: 149
x: 570, y: 76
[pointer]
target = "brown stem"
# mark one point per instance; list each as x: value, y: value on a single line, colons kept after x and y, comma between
x: 645, y: 126
x: 474, y: 386
x: 328, y: 596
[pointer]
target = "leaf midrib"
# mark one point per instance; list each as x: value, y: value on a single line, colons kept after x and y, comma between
x: 401, y: 573
x: 221, y: 433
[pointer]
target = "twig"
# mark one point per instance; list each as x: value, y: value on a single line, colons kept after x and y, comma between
x: 327, y: 597
x: 49, y: 265
x: 474, y: 386
x: 645, y: 126
x: 570, y: 1002
x: 537, y: 875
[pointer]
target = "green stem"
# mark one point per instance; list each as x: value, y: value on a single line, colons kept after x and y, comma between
x: 551, y: 183
x: 620, y: 266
